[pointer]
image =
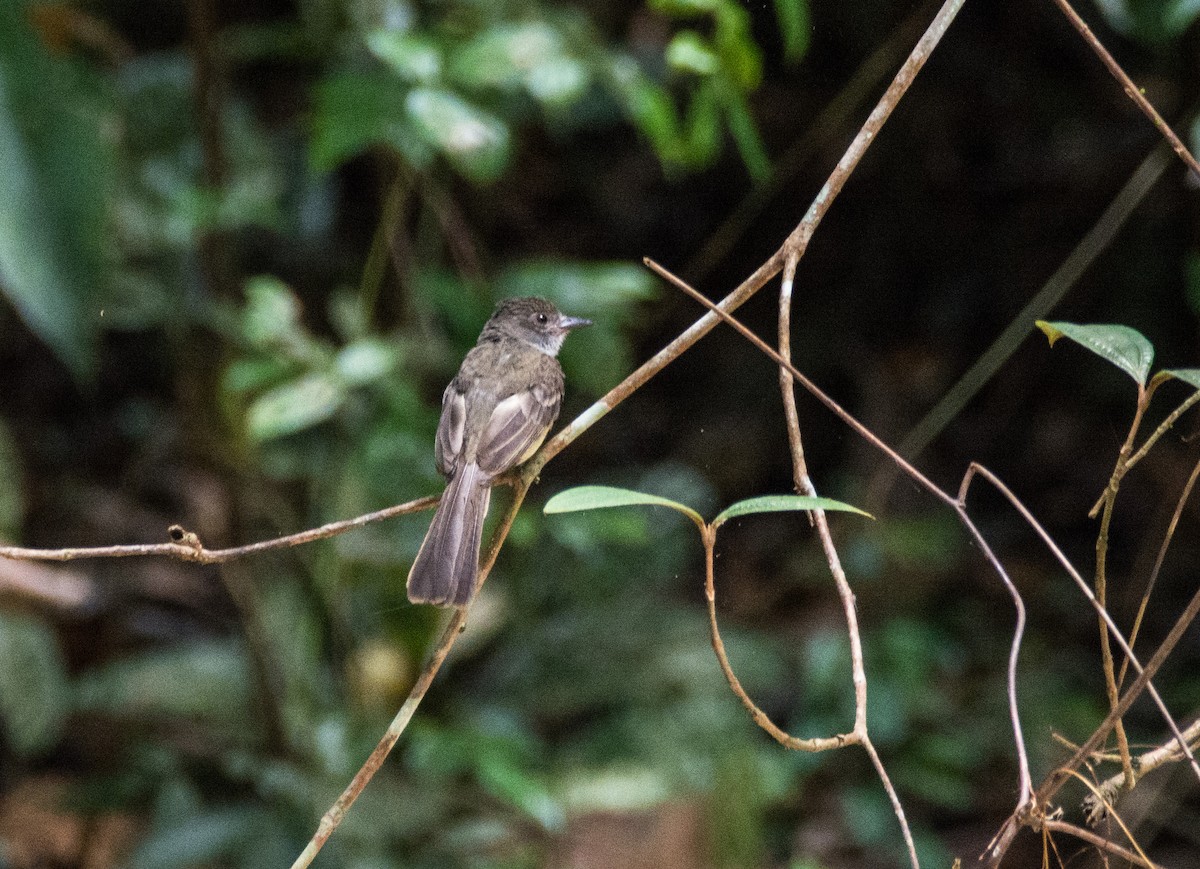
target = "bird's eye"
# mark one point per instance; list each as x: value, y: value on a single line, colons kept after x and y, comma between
x: 542, y: 319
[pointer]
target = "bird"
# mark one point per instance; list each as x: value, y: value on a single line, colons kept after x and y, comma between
x: 495, y: 414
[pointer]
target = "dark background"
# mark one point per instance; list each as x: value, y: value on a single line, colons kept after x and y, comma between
x: 218, y: 199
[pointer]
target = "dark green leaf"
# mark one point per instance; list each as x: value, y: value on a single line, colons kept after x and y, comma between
x: 57, y: 169
x: 475, y: 142
x: 33, y: 684
x: 12, y: 485
x: 600, y: 497
x: 783, y: 503
x: 794, y: 27
x: 354, y: 112
x: 745, y: 134
x: 1124, y: 347
x: 1190, y: 376
x: 412, y: 57
x: 294, y: 406
x: 202, y: 681
x: 649, y: 105
x: 690, y: 52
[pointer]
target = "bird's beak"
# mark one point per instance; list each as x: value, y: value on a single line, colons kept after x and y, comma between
x: 568, y: 323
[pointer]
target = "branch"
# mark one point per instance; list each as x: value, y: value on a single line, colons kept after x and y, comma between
x: 187, y: 546
x: 1131, y: 90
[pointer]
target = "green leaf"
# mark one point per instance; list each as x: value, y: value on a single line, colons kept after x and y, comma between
x: 201, y: 839
x: 560, y: 81
x: 741, y: 58
x: 200, y: 681
x: 505, y: 778
x: 1190, y: 376
x: 365, y: 361
x: 702, y: 134
x: 783, y: 503
x: 794, y: 27
x: 272, y: 314
x: 475, y: 142
x: 294, y: 406
x: 33, y: 685
x: 354, y: 112
x: 1124, y: 347
x: 57, y: 171
x: 414, y: 58
x: 584, y: 289
x: 745, y: 134
x: 12, y: 505
x: 684, y: 8
x: 601, y: 497
x: 532, y: 56
x: 688, y: 51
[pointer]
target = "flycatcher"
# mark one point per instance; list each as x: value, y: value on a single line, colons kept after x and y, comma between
x: 495, y: 414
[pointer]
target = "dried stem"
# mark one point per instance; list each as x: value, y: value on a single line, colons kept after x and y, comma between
x: 1098, y: 841
x: 1100, y: 579
x: 1131, y: 90
x: 958, y: 505
x: 708, y: 534
x: 1028, y: 800
x: 1158, y: 562
x: 1098, y: 803
x: 189, y: 548
x: 786, y: 167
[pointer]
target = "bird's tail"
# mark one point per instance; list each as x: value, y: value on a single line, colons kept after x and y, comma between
x: 446, y: 565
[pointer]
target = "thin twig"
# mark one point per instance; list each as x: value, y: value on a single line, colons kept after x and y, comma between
x: 786, y: 167
x: 956, y: 505
x: 1158, y: 562
x: 1147, y: 762
x: 1131, y: 90
x: 1162, y: 429
x: 457, y: 623
x: 1100, y: 577
x: 786, y: 384
x: 1100, y: 610
x: 793, y: 245
x: 189, y: 547
x: 797, y: 241
x: 811, y: 745
x: 1053, y: 782
x: 1098, y: 841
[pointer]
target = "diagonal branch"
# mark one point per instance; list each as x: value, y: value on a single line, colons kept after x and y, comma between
x: 1131, y: 90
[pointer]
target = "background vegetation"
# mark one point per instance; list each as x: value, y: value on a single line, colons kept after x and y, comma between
x: 244, y: 245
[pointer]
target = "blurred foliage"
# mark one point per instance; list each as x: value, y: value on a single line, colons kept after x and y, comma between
x: 248, y: 323
x: 1153, y: 21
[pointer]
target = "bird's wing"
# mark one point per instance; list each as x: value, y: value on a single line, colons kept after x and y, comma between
x: 449, y: 443
x: 517, y: 427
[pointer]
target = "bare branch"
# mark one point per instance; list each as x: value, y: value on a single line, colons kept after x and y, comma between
x: 187, y: 546
x: 1131, y: 90
x: 1099, y: 841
